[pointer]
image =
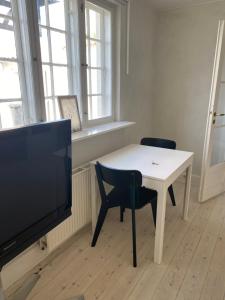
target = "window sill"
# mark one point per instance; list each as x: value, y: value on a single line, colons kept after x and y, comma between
x: 99, y: 130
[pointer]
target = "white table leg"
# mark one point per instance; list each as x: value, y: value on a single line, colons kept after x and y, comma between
x: 93, y: 198
x: 160, y: 224
x: 187, y: 192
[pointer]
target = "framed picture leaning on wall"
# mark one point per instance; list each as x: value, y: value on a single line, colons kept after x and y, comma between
x: 68, y: 107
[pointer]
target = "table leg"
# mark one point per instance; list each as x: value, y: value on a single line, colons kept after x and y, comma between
x: 187, y: 192
x: 160, y: 224
x: 93, y: 198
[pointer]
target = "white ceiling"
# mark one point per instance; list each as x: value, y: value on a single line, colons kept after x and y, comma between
x: 169, y: 4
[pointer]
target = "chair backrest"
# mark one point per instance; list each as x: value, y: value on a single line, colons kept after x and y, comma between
x: 161, y: 143
x: 121, y: 179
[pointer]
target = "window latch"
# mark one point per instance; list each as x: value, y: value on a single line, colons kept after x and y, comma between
x: 84, y: 65
x: 82, y: 7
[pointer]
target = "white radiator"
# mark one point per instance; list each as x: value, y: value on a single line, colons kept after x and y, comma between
x: 81, y: 209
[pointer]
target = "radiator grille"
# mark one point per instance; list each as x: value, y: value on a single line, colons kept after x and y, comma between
x: 81, y: 209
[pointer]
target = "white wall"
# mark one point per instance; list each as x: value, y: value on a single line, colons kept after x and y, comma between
x: 136, y: 91
x: 184, y: 55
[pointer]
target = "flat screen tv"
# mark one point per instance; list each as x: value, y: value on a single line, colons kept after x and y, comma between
x: 35, y: 184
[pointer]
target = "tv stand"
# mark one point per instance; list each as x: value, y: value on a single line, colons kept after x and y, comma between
x: 23, y: 292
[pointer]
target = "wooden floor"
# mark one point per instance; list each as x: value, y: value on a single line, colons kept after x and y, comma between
x: 193, y: 262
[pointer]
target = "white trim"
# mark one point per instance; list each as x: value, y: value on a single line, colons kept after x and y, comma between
x: 99, y: 130
x: 100, y: 6
x: 48, y: 27
x: 6, y: 17
x: 9, y: 59
x: 214, y: 92
x: 10, y: 100
x: 18, y: 60
x: 128, y: 38
x: 34, y: 58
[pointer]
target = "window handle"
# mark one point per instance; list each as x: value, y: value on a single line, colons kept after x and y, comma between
x: 218, y: 115
x: 84, y: 65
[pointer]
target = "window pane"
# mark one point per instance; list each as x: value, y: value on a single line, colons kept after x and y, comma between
x: 96, y: 82
x: 58, y: 47
x: 9, y: 79
x: 95, y: 54
x: 87, y: 52
x: 50, y: 109
x: 95, y: 106
x: 218, y: 142
x: 47, y: 80
x: 86, y: 23
x: 56, y: 14
x: 6, y: 23
x: 95, y: 21
x: 60, y: 80
x: 11, y: 114
x: 57, y: 112
x: 88, y: 81
x: 44, y: 45
x: 5, y: 8
x: 41, y: 12
x: 99, y: 56
x: 8, y: 47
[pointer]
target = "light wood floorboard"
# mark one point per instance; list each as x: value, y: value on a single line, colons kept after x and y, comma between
x: 193, y: 262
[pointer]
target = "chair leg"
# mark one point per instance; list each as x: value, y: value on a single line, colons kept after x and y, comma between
x: 154, y: 210
x: 134, y: 238
x: 101, y: 219
x: 171, y: 192
x: 122, y: 210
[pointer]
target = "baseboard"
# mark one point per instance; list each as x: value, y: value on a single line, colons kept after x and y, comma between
x: 32, y: 261
x: 22, y: 264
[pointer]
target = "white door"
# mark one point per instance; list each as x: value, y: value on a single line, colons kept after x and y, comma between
x: 213, y: 166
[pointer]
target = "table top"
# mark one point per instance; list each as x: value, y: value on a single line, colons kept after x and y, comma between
x: 152, y: 162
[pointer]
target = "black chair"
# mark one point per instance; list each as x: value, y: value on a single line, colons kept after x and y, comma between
x: 127, y: 192
x: 162, y: 143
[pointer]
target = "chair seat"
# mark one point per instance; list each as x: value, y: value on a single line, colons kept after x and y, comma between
x: 118, y: 196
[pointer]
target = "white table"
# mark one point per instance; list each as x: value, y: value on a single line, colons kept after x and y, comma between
x: 160, y: 168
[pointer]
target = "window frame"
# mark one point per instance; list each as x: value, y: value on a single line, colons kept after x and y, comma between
x: 19, y: 60
x: 28, y: 49
x: 84, y: 66
x: 69, y: 56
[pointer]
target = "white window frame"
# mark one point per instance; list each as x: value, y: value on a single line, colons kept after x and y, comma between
x: 19, y: 60
x: 30, y: 62
x: 112, y: 9
x: 70, y: 58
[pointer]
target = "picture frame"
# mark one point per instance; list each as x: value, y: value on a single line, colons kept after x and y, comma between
x: 68, y: 107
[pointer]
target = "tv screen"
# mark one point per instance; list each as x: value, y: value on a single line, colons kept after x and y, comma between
x: 35, y: 184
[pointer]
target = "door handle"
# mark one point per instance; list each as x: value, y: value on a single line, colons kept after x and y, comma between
x: 219, y: 115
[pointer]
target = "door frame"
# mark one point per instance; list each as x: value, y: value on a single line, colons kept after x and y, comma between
x: 217, y: 70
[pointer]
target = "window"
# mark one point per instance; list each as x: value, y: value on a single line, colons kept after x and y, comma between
x: 99, y: 58
x: 12, y: 92
x: 74, y: 41
x: 56, y: 64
